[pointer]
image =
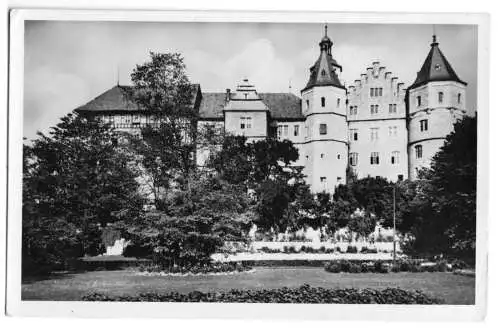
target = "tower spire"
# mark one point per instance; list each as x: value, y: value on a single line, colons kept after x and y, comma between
x: 326, y: 29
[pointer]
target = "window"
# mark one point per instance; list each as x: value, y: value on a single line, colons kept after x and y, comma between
x: 246, y: 96
x: 353, y: 158
x: 440, y: 97
x: 338, y: 156
x: 374, y: 109
x: 322, y: 129
x: 459, y: 98
x: 392, y: 109
x: 400, y: 177
x: 376, y: 91
x: 373, y: 134
x: 296, y: 130
x: 393, y: 131
x: 245, y: 122
x: 338, y: 102
x: 323, y: 102
x: 322, y: 155
x: 395, y: 157
x: 322, y: 180
x: 323, y: 72
x: 424, y: 125
x: 282, y: 130
x: 353, y: 110
x: 353, y: 135
x: 307, y: 104
x: 418, y: 151
x: 419, y: 101
x: 374, y: 158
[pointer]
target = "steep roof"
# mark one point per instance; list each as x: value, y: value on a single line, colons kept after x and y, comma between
x: 119, y: 98
x: 323, y: 72
x: 282, y: 106
x: 435, y: 68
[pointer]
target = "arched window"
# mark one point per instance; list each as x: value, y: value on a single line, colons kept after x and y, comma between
x: 459, y: 98
x: 323, y: 102
x: 323, y: 72
x: 440, y: 97
x: 418, y: 151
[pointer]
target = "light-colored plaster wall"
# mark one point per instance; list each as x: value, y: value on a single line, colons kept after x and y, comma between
x: 258, y: 129
x: 440, y: 116
x: 393, y: 93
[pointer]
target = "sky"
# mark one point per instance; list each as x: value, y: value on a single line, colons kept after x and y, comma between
x: 69, y: 63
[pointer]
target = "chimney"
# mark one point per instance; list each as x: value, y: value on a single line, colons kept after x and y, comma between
x: 228, y: 94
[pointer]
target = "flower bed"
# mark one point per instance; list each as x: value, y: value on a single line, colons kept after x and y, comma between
x: 207, y: 269
x: 303, y: 294
x: 350, y: 266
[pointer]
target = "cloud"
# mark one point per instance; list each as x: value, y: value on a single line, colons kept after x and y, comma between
x: 49, y: 95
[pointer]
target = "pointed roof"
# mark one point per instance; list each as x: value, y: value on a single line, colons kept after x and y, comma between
x: 435, y: 68
x: 323, y: 72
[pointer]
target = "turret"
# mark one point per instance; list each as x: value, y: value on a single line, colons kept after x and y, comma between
x: 435, y: 101
x: 324, y: 105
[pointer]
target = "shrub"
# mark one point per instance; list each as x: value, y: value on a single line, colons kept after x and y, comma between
x: 217, y: 267
x: 351, y: 249
x: 381, y: 267
x: 337, y: 249
x: 302, y: 294
x: 365, y: 250
x: 333, y: 267
x: 322, y: 249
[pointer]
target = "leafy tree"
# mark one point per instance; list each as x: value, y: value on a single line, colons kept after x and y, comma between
x: 163, y: 92
x: 233, y: 161
x: 442, y: 215
x: 77, y: 180
x: 194, y: 223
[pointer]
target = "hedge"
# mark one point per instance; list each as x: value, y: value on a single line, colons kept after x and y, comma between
x: 304, y: 294
x: 357, y: 266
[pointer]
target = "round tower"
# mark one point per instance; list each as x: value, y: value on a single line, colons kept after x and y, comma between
x: 324, y: 106
x: 435, y: 101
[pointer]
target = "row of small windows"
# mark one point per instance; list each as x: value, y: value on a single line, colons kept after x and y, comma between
x: 323, y: 102
x: 374, y: 158
x: 376, y: 91
x: 374, y: 132
x: 353, y: 110
x: 440, y: 99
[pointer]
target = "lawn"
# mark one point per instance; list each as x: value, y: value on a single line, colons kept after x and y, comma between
x: 454, y: 289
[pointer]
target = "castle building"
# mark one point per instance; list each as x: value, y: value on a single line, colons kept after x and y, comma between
x: 376, y: 126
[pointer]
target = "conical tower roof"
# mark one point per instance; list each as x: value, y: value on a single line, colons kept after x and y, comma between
x: 323, y: 72
x: 435, y: 68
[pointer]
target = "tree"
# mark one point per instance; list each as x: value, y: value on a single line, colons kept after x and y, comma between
x: 233, y: 161
x: 442, y: 215
x: 77, y: 180
x: 194, y: 223
x: 163, y: 92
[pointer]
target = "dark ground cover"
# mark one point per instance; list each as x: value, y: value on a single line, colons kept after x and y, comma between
x: 453, y: 289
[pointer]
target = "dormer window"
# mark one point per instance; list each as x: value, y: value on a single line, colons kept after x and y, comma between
x: 323, y: 72
x: 459, y: 98
x: 323, y: 102
x: 307, y: 104
x: 419, y: 101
